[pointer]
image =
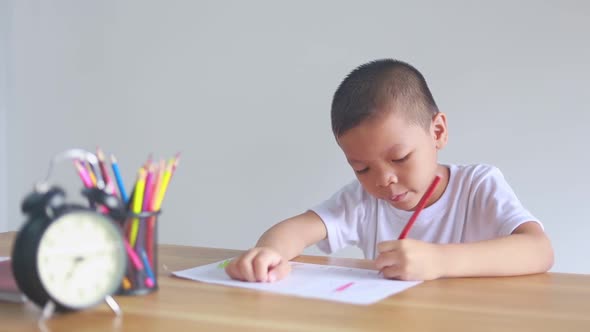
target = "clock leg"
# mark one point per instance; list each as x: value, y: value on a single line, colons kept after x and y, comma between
x: 113, y: 305
x: 47, y: 312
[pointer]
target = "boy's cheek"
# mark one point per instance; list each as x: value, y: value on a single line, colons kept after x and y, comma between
x: 371, y: 189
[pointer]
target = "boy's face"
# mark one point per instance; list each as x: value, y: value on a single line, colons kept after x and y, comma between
x: 395, y: 160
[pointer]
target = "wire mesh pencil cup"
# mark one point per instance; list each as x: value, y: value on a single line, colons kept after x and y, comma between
x: 141, y: 241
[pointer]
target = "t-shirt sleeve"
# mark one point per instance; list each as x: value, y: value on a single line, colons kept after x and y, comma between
x: 500, y: 211
x: 342, y: 214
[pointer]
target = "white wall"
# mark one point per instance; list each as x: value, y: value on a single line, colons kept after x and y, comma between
x: 243, y: 90
x: 5, y: 17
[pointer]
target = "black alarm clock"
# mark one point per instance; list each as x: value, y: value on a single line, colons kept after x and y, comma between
x: 69, y: 256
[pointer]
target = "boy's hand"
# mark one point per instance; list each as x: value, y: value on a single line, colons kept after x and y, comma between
x: 409, y: 260
x: 260, y: 264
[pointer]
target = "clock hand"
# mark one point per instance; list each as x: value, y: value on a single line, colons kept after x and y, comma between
x: 77, y: 260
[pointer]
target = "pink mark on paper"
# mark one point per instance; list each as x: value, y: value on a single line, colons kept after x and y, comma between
x: 343, y: 287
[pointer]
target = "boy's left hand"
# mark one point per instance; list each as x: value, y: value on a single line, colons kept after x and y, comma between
x: 409, y: 259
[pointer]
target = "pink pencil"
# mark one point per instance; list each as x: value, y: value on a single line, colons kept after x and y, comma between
x: 83, y: 173
x: 149, y: 189
x: 137, y: 263
x: 157, y: 182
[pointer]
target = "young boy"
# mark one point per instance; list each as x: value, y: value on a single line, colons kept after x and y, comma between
x: 387, y: 123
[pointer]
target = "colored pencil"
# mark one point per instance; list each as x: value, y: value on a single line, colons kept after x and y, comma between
x: 137, y: 204
x: 90, y: 173
x: 133, y: 256
x: 152, y: 220
x: 147, y: 193
x: 149, y: 189
x: 119, y: 179
x: 419, y: 208
x: 83, y: 173
x: 126, y: 283
x: 172, y: 164
x: 109, y: 187
x: 147, y: 266
x: 160, y: 168
x: 139, y: 267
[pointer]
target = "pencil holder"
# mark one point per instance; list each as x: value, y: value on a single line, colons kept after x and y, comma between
x: 141, y: 243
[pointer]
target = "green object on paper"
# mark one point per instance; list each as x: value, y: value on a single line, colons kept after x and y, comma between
x: 223, y: 264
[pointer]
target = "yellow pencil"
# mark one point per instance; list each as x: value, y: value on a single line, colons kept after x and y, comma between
x: 126, y: 283
x: 160, y: 167
x: 137, y: 204
x: 164, y: 185
x: 91, y: 174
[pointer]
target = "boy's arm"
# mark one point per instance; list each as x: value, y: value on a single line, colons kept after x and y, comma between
x: 268, y: 261
x: 527, y: 250
x: 291, y: 236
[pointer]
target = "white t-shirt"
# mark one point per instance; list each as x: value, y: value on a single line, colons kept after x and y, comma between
x: 478, y: 204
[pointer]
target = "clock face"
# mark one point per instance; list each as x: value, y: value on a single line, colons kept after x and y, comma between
x: 81, y: 259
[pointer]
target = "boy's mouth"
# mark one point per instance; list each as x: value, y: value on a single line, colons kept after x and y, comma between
x: 398, y: 197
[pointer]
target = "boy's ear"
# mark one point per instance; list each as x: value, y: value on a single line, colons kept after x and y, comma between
x: 439, y: 130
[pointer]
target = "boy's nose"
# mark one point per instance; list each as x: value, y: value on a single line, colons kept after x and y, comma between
x: 386, y: 179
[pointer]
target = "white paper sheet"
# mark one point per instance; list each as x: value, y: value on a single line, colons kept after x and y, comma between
x: 327, y: 282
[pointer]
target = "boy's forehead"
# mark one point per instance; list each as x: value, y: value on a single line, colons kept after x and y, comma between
x: 385, y: 120
x: 386, y: 133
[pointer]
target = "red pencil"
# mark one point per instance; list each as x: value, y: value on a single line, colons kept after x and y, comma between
x: 419, y: 208
x: 110, y: 188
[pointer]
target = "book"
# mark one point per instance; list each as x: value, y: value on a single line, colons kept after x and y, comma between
x: 9, y: 291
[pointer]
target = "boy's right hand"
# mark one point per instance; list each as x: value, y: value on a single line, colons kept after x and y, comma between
x: 261, y: 264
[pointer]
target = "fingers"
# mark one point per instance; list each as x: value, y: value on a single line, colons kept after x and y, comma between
x: 233, y: 270
x: 279, y: 272
x: 389, y: 254
x: 395, y: 272
x: 244, y: 265
x: 263, y: 262
x: 391, y: 260
x: 258, y: 264
x: 392, y: 265
x: 386, y: 259
x: 409, y: 260
x: 387, y: 246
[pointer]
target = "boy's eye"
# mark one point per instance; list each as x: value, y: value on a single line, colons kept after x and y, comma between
x: 361, y: 171
x: 402, y: 159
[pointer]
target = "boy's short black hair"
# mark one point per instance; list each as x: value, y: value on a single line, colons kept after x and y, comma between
x: 374, y: 85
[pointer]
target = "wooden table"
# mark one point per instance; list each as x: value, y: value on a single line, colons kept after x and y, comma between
x: 544, y: 302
